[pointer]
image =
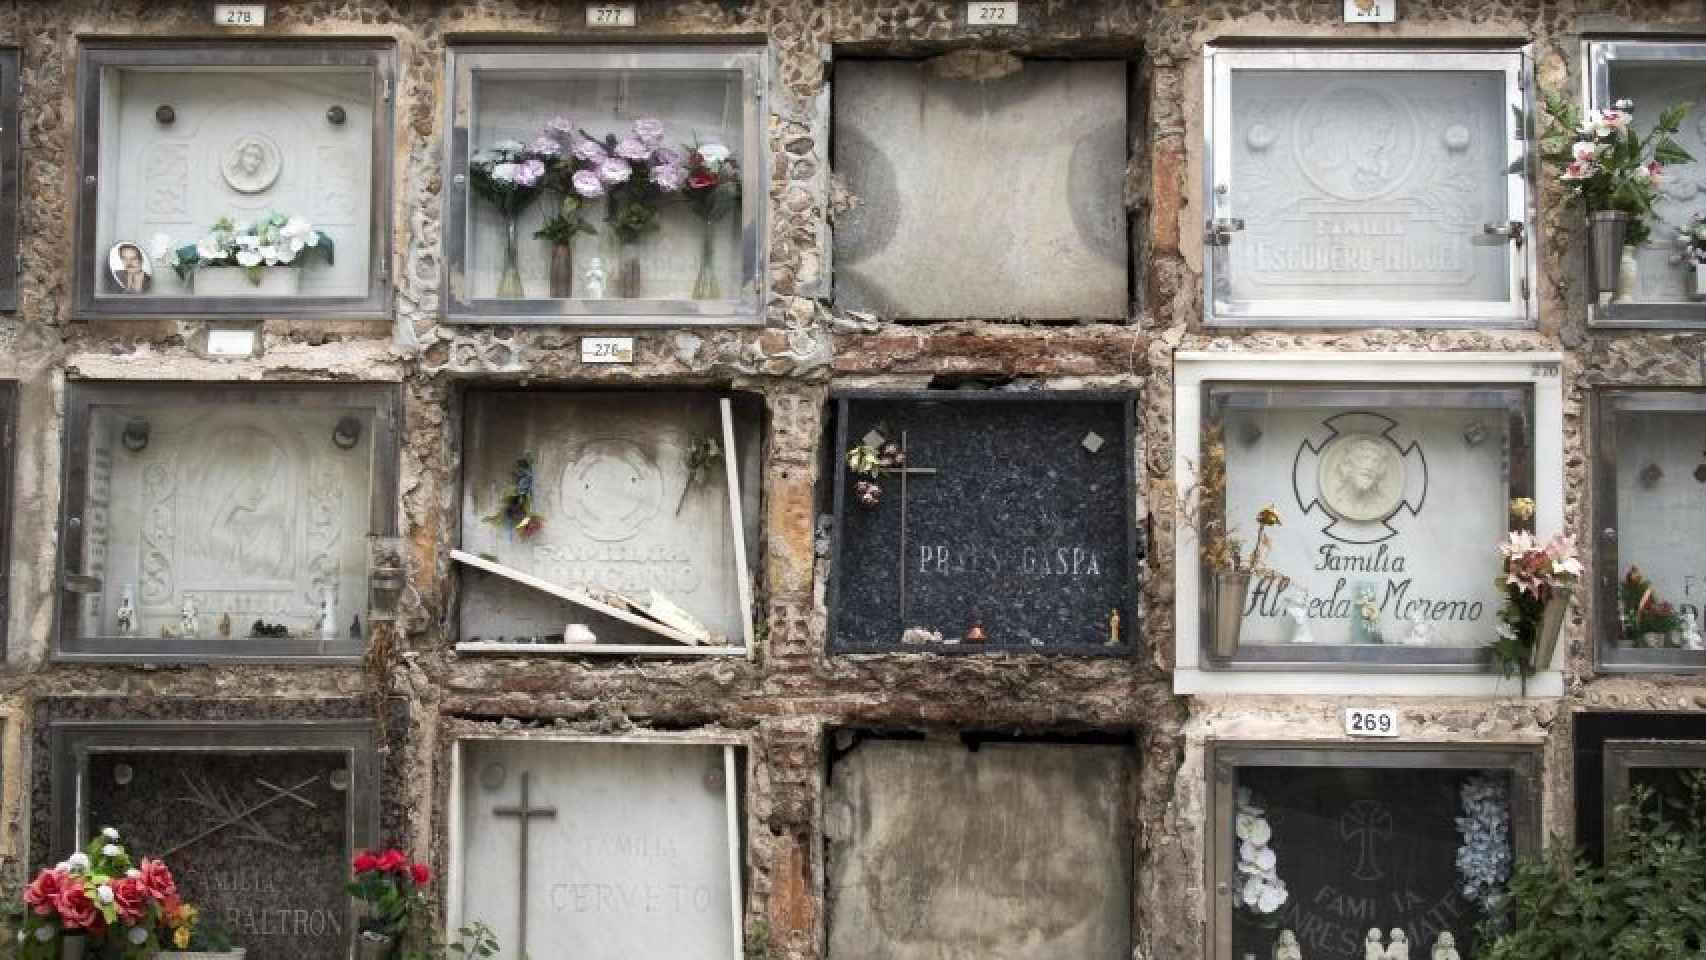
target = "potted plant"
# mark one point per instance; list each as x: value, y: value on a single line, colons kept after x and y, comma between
x: 1613, y: 172
x: 1646, y: 620
x: 97, y: 902
x: 262, y: 258
x: 1537, y: 580
x: 389, y: 886
x: 1692, y: 239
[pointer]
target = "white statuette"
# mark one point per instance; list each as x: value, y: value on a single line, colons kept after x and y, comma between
x: 1298, y: 611
x: 1287, y: 947
x: 1399, y: 948
x: 328, y: 616
x: 126, y: 616
x: 1372, y: 946
x: 1445, y: 948
x: 189, y: 618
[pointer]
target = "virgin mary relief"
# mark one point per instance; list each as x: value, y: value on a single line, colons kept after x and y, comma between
x: 242, y: 527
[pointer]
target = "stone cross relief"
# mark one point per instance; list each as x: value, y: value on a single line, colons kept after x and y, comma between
x: 523, y: 812
x: 904, y: 470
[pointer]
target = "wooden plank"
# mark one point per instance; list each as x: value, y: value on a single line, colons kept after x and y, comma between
x: 743, y: 581
x: 564, y: 593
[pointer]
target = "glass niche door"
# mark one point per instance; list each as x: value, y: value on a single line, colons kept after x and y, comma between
x: 608, y: 182
x: 1366, y: 188
x: 219, y: 522
x: 1667, y: 777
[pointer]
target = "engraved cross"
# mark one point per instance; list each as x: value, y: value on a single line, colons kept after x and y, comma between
x: 523, y: 812
x: 1367, y: 823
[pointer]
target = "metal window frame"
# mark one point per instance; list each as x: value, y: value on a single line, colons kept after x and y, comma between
x: 72, y: 742
x: 96, y: 56
x: 81, y: 396
x: 749, y: 60
x: 1223, y: 759
x: 1518, y: 310
x: 1516, y: 399
x: 1607, y: 404
x: 1619, y: 757
x: 843, y: 398
x: 734, y: 748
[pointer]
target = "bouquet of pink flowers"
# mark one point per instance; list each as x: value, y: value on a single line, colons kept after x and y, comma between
x: 1534, y: 574
x: 99, y: 894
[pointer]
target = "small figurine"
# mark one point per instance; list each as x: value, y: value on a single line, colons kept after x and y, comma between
x: 225, y: 626
x: 975, y: 634
x: 1445, y: 948
x: 328, y: 616
x: 1114, y: 627
x: 355, y: 627
x: 1372, y: 947
x: 1421, y: 633
x: 1287, y: 948
x: 1298, y: 611
x: 1399, y: 948
x: 1691, y: 639
x: 593, y: 279
x: 189, y: 618
x: 126, y: 615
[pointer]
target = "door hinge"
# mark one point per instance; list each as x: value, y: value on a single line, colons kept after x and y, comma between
x: 1512, y: 231
x: 1221, y: 229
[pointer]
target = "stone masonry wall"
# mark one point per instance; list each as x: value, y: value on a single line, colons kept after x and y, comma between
x: 792, y: 694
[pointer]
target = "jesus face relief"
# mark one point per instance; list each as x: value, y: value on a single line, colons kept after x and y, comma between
x: 1361, y: 477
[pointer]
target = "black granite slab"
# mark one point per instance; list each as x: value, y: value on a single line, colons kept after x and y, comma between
x: 1022, y: 528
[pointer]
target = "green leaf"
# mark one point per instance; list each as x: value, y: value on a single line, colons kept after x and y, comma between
x: 254, y: 273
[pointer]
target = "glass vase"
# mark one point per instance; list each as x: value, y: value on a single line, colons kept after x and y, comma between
x: 705, y: 286
x: 625, y: 283
x: 509, y: 282
x: 562, y: 271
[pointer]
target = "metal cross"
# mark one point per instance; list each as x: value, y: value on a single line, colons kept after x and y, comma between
x: 904, y: 471
x: 524, y: 813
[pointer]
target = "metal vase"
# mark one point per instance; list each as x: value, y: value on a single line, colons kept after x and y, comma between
x: 72, y: 945
x: 1230, y: 589
x: 1608, y: 228
x: 370, y: 946
x: 1550, y: 626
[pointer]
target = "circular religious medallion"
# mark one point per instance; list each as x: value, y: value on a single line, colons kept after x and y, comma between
x: 338, y: 780
x: 1355, y: 142
x: 611, y: 488
x: 492, y: 776
x: 251, y: 163
x: 1361, y: 477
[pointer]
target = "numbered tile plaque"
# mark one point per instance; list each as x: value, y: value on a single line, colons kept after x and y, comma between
x: 1352, y: 850
x: 233, y: 178
x: 1366, y: 188
x: 221, y: 521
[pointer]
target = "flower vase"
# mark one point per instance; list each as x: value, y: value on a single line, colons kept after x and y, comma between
x: 626, y: 282
x: 374, y: 946
x: 705, y: 286
x: 562, y: 271
x: 1230, y: 589
x: 1547, y: 630
x: 1628, y: 275
x: 509, y: 282
x: 1699, y: 281
x: 72, y: 945
x: 1605, y: 247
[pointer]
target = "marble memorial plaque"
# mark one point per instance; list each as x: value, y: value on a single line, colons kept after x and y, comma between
x: 1367, y: 185
x: 1011, y: 514
x: 201, y: 518
x: 1661, y: 504
x: 621, y: 849
x: 1682, y: 193
x: 1398, y: 509
x: 1020, y: 175
x: 696, y: 106
x: 182, y: 148
x: 1361, y: 849
x: 1012, y: 852
x: 623, y: 510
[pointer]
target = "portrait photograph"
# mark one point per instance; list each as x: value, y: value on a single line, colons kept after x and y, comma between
x: 131, y: 268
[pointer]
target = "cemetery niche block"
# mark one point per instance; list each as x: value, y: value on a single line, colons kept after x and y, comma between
x: 1021, y: 175
x: 984, y: 521
x: 1366, y: 188
x: 257, y: 821
x: 184, y: 146
x: 640, y: 513
x: 1616, y: 752
x: 1650, y: 482
x: 217, y: 521
x: 624, y: 849
x: 1343, y: 848
x: 606, y: 181
x: 1656, y: 76
x: 1011, y: 851
x: 1392, y: 502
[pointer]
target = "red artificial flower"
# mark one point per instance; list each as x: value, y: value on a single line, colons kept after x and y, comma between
x: 392, y: 861
x: 76, y: 910
x: 422, y: 875
x: 365, y: 861
x: 157, y: 880
x: 701, y: 181
x: 43, y: 892
x: 131, y: 899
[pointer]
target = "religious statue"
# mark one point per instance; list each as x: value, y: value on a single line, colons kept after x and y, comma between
x: 1361, y: 477
x: 1445, y: 948
x: 1113, y: 628
x: 1298, y: 612
x: 189, y: 618
x: 593, y: 280
x: 1372, y: 947
x: 126, y: 616
x: 1287, y: 948
x: 1691, y: 639
x: 1399, y: 948
x: 1421, y: 632
x: 328, y: 616
x: 225, y: 626
x: 251, y: 164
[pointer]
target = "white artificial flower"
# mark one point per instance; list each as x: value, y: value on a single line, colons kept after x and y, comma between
x: 63, y: 866
x: 1252, y: 891
x: 714, y: 154
x: 1260, y: 832
x: 272, y: 255
x: 248, y: 258
x: 1270, y: 899
x: 1584, y: 150
x: 209, y: 248
x: 1243, y: 826
x: 298, y: 233
x: 138, y: 935
x: 247, y: 241
x: 111, y: 850
x: 1625, y: 104
x: 1265, y: 859
x: 44, y: 934
x: 509, y: 148
x: 505, y: 172
x: 158, y: 248
x: 104, y: 893
x: 77, y: 861
x: 133, y: 873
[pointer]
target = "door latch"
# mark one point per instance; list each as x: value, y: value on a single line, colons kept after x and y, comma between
x: 1511, y: 232
x: 1221, y: 229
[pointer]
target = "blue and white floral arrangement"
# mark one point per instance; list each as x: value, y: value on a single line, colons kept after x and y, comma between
x: 1484, y: 856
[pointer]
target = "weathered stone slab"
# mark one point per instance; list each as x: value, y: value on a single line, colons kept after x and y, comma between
x: 1011, y: 852
x: 982, y: 197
